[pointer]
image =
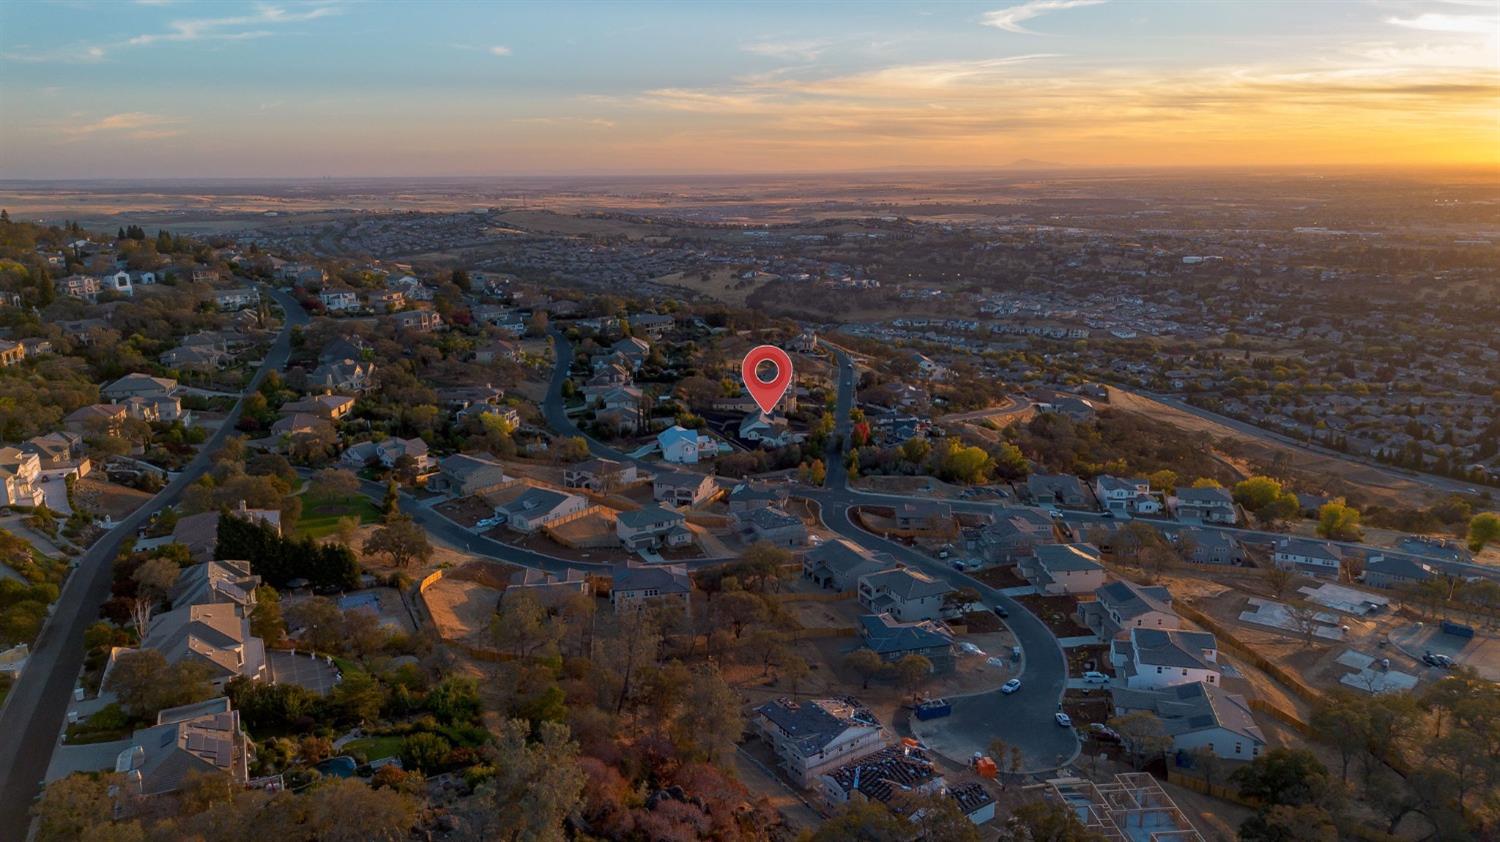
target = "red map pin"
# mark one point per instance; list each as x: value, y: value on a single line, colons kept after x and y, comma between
x: 766, y: 392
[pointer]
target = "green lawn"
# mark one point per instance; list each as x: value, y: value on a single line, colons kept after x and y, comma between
x: 320, y: 515
x: 374, y: 748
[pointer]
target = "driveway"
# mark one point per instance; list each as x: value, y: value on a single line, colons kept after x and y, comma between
x: 54, y: 487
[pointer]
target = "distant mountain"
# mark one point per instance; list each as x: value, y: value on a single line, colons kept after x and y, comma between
x: 1032, y: 164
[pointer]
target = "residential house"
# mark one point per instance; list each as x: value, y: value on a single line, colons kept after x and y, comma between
x: 1150, y: 659
x: 205, y: 276
x: 195, y: 358
x: 681, y: 445
x: 186, y: 742
x: 1014, y: 534
x: 345, y: 375
x: 1207, y: 505
x: 330, y: 407
x: 651, y: 323
x: 929, y: 516
x: 216, y: 635
x: 1126, y: 496
x: 768, y: 430
x: 344, y: 348
x: 539, y: 507
x: 805, y: 342
x: 303, y: 274
x: 1309, y: 556
x: 633, y: 349
x: 635, y: 585
x: 840, y: 563
x: 339, y: 300
x: 237, y: 299
x: 216, y: 582
x: 19, y: 471
x: 462, y: 475
x: 1210, y: 546
x: 893, y: 640
x: 496, y: 350
x: 1199, y: 716
x: 814, y: 736
x: 548, y: 589
x: 679, y: 488
x: 904, y: 593
x: 1123, y: 605
x: 139, y: 385
x: 601, y: 476
x: 417, y: 321
x: 746, y: 496
x: 385, y: 300
x: 771, y: 525
x: 35, y: 346
x: 11, y: 353
x: 387, y: 453
x: 79, y: 286
x: 95, y: 419
x: 459, y: 398
x: 651, y: 527
x: 60, y: 449
x: 301, y: 423
x: 118, y: 282
x: 974, y: 801
x: 1394, y: 570
x: 890, y: 776
x: 1064, y: 490
x: 1064, y: 569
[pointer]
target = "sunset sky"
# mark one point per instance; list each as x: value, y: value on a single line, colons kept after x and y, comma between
x: 176, y: 89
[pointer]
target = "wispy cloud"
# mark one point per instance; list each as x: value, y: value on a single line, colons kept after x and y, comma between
x: 1439, y: 22
x: 236, y: 28
x: 135, y: 125
x: 499, y: 50
x: 72, y: 54
x: 805, y: 50
x: 1010, y: 19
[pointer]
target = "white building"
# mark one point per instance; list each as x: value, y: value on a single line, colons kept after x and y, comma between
x: 683, y: 446
x: 1150, y: 659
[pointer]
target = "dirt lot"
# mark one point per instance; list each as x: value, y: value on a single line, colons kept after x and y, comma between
x: 464, y: 600
x: 1355, y: 480
x: 108, y: 498
x: 723, y: 285
x: 1058, y: 612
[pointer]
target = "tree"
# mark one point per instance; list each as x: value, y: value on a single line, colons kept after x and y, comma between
x: 521, y: 625
x: 1144, y: 734
x: 424, y: 751
x: 358, y: 698
x: 912, y: 671
x: 1278, y: 579
x: 1342, y: 722
x: 865, y: 663
x: 265, y: 618
x: 1209, y: 764
x: 710, y: 722
x: 793, y: 670
x: 573, y: 449
x: 144, y: 683
x: 321, y: 624
x: 537, y: 785
x: 863, y: 821
x: 346, y: 810
x: 390, y: 505
x: 402, y: 539
x: 1484, y: 528
x: 1046, y: 821
x: 1285, y: 823
x: 334, y: 483
x: 1338, y: 521
x: 73, y: 806
x: 1290, y: 776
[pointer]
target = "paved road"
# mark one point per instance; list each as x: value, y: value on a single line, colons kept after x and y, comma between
x: 34, y: 710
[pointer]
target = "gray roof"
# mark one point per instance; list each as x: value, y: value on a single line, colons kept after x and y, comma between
x: 1066, y: 558
x: 1400, y: 566
x: 1208, y: 538
x: 664, y: 578
x: 215, y: 581
x: 813, y: 724
x: 1168, y: 648
x: 1310, y: 548
x: 535, y: 501
x: 1186, y: 708
x: 906, y: 584
x: 1131, y: 600
x: 886, y: 635
x: 649, y: 516
x: 680, y: 479
x: 1205, y: 496
x: 769, y: 517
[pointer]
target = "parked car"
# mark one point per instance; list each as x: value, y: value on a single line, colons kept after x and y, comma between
x: 1104, y: 733
x: 1063, y: 719
x: 970, y: 649
x: 1054, y: 514
x: 1092, y: 677
x: 1011, y: 686
x: 1000, y: 611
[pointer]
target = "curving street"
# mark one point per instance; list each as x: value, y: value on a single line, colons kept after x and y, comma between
x: 33, y: 714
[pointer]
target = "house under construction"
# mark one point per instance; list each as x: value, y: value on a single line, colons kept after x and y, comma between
x: 1131, y: 808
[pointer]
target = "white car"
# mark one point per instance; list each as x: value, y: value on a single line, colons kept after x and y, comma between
x: 1011, y: 686
x: 1063, y: 720
x: 970, y: 649
x: 1055, y: 514
x: 1092, y: 677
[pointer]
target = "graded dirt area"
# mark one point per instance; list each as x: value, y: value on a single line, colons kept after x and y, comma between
x: 463, y: 601
x: 1355, y: 480
x: 722, y: 285
x: 104, y: 497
